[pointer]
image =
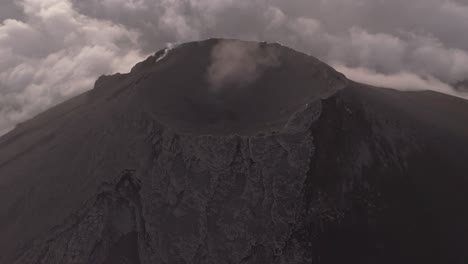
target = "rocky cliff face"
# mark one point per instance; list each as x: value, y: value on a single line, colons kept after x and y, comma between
x: 180, y: 162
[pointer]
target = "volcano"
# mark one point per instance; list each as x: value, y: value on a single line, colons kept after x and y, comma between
x: 226, y: 151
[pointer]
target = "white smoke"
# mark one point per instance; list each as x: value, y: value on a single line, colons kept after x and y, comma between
x: 169, y: 47
x: 238, y: 65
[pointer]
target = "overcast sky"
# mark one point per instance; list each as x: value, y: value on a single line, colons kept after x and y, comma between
x: 51, y: 50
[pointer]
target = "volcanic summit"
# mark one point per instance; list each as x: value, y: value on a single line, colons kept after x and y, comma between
x: 227, y: 151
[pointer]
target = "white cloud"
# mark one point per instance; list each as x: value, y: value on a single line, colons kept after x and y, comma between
x: 55, y: 54
x: 404, y: 81
x: 275, y: 17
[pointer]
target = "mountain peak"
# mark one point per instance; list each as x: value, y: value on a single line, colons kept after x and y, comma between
x: 127, y: 173
x: 220, y: 86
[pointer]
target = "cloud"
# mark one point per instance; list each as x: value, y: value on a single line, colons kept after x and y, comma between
x: 355, y: 33
x: 54, y: 49
x: 54, y: 54
x: 9, y: 9
x: 236, y: 65
x: 404, y: 81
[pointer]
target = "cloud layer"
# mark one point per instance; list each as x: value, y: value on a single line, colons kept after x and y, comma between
x: 54, y: 54
x: 54, y: 49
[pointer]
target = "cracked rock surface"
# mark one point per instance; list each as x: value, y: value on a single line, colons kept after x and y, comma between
x: 298, y: 165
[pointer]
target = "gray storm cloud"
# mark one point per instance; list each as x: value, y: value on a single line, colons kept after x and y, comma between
x: 54, y: 49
